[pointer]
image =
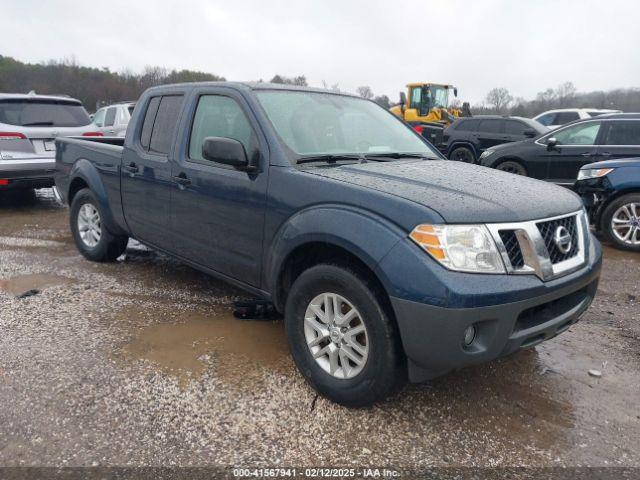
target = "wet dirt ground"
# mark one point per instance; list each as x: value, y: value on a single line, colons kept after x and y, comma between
x: 141, y: 362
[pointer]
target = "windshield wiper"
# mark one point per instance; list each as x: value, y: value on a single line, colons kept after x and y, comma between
x: 38, y: 124
x: 331, y: 158
x: 396, y: 155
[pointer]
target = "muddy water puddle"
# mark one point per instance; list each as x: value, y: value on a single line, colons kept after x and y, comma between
x: 39, y: 281
x: 197, y: 338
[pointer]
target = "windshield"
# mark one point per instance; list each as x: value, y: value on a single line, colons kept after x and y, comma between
x: 316, y: 123
x: 45, y: 113
x: 437, y: 97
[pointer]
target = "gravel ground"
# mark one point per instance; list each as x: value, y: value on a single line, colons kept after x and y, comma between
x: 140, y: 362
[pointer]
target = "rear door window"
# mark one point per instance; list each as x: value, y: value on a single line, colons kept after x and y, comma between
x: 565, y: 117
x: 467, y: 125
x: 490, y: 126
x: 623, y: 133
x: 164, y: 126
x: 43, y: 113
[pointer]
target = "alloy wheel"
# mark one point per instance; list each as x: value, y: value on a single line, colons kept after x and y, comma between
x: 89, y: 225
x: 336, y: 335
x: 625, y: 224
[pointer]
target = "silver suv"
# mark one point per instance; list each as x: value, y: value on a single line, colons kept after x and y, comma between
x: 112, y: 121
x: 29, y: 125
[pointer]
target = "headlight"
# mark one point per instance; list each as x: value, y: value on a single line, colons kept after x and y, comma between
x: 486, y: 153
x: 465, y: 248
x: 593, y: 173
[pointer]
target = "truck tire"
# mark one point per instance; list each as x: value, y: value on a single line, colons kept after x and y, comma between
x: 354, y: 358
x: 462, y: 154
x: 621, y: 222
x: 90, y: 235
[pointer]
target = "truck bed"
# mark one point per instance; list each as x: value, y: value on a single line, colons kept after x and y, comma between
x: 105, y: 153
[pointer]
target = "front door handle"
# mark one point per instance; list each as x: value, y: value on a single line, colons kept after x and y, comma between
x: 587, y: 154
x: 605, y: 154
x: 132, y: 168
x: 182, y: 179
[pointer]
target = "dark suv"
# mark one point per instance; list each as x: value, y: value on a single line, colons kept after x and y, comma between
x: 465, y: 139
x: 558, y: 155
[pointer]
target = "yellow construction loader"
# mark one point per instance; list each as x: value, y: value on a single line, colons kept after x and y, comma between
x: 425, y: 106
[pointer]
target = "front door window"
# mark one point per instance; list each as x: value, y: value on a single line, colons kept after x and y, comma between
x: 581, y: 134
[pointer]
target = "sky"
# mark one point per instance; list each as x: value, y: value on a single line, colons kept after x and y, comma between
x: 523, y: 45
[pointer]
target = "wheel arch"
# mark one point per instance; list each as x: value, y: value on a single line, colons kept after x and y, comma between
x: 85, y: 175
x: 317, y: 235
x: 463, y: 143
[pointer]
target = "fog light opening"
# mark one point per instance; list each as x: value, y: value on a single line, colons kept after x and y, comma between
x: 469, y: 335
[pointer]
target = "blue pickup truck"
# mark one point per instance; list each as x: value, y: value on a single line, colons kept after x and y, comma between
x: 386, y: 260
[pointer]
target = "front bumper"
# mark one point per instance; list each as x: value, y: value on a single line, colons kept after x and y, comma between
x: 27, y: 173
x: 432, y: 335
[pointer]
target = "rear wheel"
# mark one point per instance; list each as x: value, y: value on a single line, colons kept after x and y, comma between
x: 341, y: 338
x: 90, y: 234
x: 621, y: 222
x: 462, y: 154
x: 512, y: 166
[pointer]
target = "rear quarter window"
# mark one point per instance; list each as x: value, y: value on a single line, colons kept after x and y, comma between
x: 514, y: 127
x: 147, y: 125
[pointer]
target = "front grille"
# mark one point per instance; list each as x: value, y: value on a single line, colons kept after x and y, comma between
x: 548, y: 230
x: 512, y: 247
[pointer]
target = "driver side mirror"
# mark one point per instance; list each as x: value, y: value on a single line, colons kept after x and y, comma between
x: 530, y: 133
x: 226, y: 151
x: 455, y: 92
x: 552, y: 143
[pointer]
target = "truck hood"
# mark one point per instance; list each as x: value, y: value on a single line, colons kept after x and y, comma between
x: 459, y: 192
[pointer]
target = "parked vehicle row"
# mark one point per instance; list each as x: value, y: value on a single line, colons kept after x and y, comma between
x: 29, y: 125
x: 386, y: 260
x: 558, y: 155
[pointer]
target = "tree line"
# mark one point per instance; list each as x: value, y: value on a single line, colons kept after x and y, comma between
x: 96, y: 87
x: 500, y: 101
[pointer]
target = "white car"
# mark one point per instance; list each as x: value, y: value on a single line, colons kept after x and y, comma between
x: 112, y: 121
x: 557, y: 118
x: 29, y: 125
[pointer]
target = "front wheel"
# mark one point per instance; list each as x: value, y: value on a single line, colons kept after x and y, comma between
x: 621, y: 222
x: 462, y: 154
x: 514, y: 167
x: 90, y: 234
x: 341, y: 337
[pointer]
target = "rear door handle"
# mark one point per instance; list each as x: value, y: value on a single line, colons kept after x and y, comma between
x: 132, y: 168
x: 182, y: 179
x: 605, y: 154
